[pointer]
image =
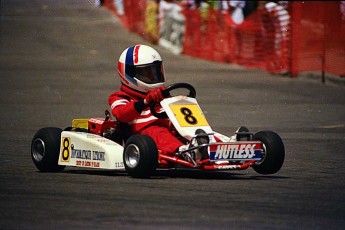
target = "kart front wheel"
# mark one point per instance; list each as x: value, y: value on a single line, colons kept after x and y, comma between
x: 273, y: 152
x: 45, y: 148
x: 140, y: 156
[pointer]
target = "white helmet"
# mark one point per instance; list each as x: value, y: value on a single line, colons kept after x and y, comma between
x: 141, y: 68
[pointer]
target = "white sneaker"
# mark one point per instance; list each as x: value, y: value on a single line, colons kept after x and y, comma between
x: 201, y: 153
x: 197, y: 154
x: 186, y: 155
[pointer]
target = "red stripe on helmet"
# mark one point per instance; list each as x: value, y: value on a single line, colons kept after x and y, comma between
x: 121, y: 68
x: 136, y: 54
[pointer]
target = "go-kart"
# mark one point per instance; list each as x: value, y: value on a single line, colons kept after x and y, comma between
x: 104, y: 143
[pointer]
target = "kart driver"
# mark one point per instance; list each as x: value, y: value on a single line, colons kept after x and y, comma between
x: 142, y: 76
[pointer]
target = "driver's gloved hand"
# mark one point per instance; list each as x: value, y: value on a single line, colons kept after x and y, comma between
x: 154, y: 95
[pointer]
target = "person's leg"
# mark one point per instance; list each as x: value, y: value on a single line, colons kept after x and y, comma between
x: 165, y: 141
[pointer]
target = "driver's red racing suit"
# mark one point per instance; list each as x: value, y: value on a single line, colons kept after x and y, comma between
x: 125, y: 109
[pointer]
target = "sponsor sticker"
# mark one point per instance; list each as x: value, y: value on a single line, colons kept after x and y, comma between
x: 83, y: 163
x: 235, y: 151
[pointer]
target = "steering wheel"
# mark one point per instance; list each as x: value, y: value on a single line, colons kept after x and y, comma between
x: 166, y: 94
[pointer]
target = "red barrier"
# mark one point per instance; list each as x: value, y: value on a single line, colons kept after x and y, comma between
x: 257, y: 43
x: 310, y: 37
x: 250, y: 42
x: 318, y: 37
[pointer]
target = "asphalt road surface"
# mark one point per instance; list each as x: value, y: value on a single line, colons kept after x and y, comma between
x: 58, y: 62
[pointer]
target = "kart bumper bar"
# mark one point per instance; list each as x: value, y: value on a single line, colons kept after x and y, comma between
x: 207, y: 165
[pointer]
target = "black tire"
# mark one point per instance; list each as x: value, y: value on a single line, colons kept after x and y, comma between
x: 140, y: 156
x: 45, y: 148
x: 274, y: 152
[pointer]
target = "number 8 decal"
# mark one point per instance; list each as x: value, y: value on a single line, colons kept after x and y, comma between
x: 188, y: 116
x: 65, y: 152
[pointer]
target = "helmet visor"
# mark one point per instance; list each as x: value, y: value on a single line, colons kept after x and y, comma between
x: 151, y: 73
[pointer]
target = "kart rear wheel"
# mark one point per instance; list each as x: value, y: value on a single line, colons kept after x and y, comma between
x: 273, y: 154
x: 140, y: 156
x: 45, y: 148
